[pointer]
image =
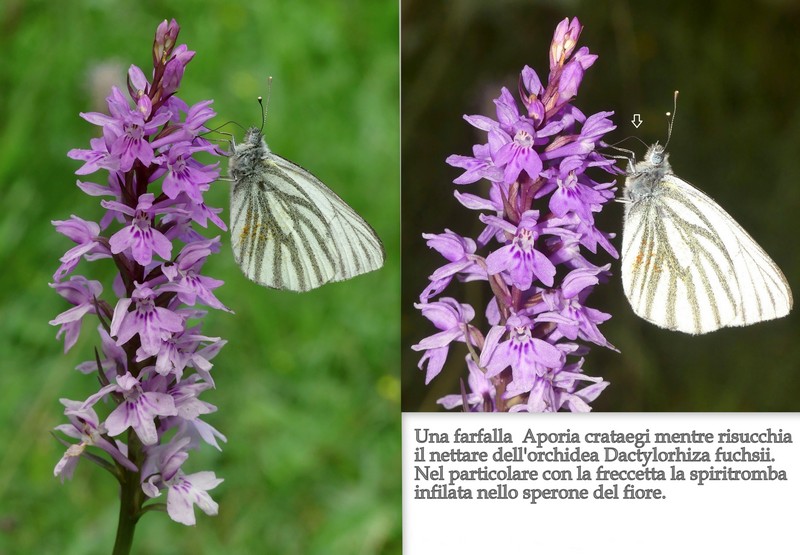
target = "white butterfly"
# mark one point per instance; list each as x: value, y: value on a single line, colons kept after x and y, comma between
x: 288, y: 230
x: 686, y: 264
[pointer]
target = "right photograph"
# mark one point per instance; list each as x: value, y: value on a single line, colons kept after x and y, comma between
x: 599, y: 207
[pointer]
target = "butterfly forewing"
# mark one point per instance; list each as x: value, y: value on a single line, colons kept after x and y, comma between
x: 687, y: 265
x: 290, y: 231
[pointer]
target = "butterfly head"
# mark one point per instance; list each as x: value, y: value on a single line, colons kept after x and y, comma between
x: 248, y: 154
x: 253, y: 137
x: 656, y: 155
x: 655, y: 159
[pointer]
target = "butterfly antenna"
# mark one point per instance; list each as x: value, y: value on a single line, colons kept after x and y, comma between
x: 217, y: 129
x: 672, y: 117
x: 229, y: 136
x: 265, y: 108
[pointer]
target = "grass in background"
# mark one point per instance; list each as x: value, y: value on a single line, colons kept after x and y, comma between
x: 308, y: 385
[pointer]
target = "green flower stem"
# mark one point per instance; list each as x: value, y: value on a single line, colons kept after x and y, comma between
x: 131, y: 498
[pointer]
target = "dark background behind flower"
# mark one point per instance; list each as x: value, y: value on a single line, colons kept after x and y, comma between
x: 307, y: 388
x: 737, y: 137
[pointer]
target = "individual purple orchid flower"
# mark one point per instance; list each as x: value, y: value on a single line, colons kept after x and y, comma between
x: 151, y: 323
x: 96, y: 158
x: 181, y: 349
x: 573, y: 319
x: 458, y: 251
x: 520, y: 257
x: 521, y: 351
x: 184, y: 173
x: 140, y: 235
x: 151, y: 364
x: 83, y: 294
x: 86, y: 235
x: 183, y: 491
x: 185, y: 278
x: 535, y: 250
x: 453, y: 319
x: 138, y: 410
x: 551, y: 391
x: 518, y: 154
x: 573, y: 194
x: 482, y: 389
x: 85, y: 426
x: 129, y: 128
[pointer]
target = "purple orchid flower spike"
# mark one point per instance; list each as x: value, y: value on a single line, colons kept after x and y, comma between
x: 535, y: 249
x: 152, y: 359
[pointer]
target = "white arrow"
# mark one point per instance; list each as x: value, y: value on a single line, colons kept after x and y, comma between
x: 637, y: 120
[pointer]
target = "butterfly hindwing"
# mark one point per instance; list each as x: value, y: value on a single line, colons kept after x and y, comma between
x: 671, y: 256
x: 352, y: 239
x: 755, y: 280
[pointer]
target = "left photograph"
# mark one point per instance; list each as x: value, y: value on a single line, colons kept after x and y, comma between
x: 196, y: 202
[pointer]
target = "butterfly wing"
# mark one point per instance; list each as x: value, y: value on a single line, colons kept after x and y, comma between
x: 688, y: 266
x: 290, y: 231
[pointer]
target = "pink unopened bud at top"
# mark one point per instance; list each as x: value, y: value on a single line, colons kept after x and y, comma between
x: 564, y: 41
x: 166, y: 35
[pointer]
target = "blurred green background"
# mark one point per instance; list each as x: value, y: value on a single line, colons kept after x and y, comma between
x: 307, y: 387
x: 736, y: 136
